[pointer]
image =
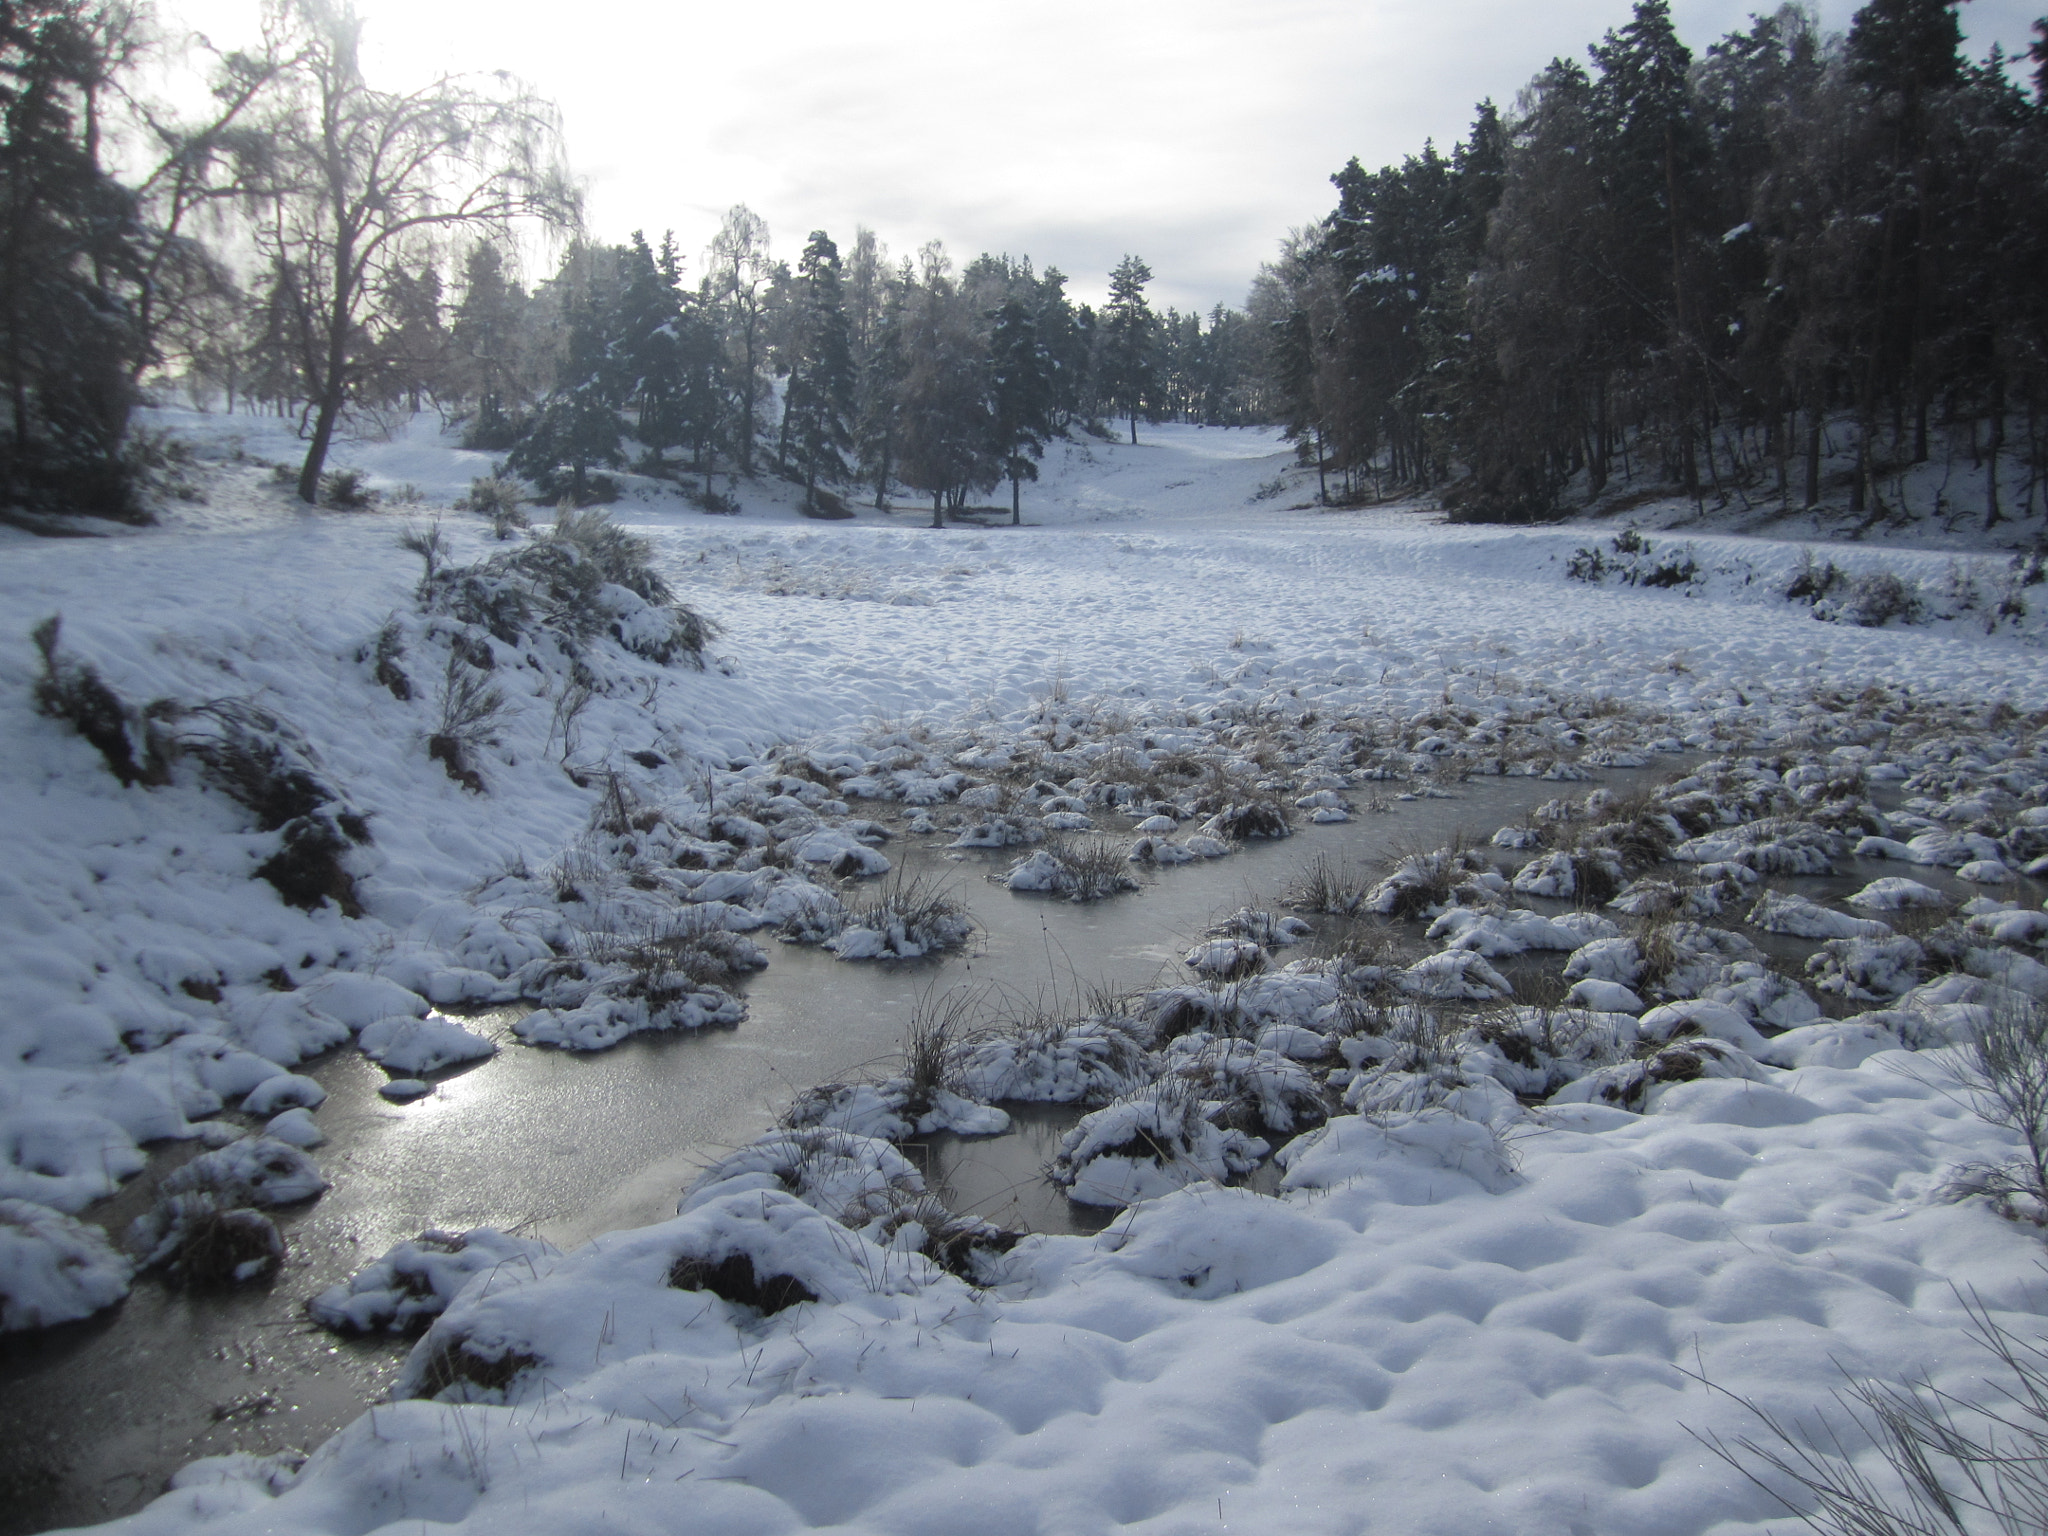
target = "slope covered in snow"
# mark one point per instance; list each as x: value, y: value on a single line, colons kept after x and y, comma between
x: 1465, y: 1310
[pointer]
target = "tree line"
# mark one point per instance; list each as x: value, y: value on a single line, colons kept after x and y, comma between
x: 318, y: 246
x: 1720, y: 273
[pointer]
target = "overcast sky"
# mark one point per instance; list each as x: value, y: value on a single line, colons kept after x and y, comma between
x: 1193, y: 133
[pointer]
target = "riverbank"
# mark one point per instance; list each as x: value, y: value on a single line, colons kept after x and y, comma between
x: 1165, y: 630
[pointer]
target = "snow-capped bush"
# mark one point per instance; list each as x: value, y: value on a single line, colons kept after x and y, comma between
x: 1080, y: 870
x: 1058, y: 1061
x: 53, y: 1268
x: 409, y: 1286
x: 905, y: 921
x: 850, y: 1177
x: 1149, y: 1143
x: 580, y: 579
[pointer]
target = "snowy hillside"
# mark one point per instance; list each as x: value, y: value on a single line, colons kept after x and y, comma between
x: 377, y: 785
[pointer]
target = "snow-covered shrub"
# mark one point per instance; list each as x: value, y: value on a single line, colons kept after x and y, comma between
x: 1225, y: 959
x: 347, y: 490
x: 200, y: 1237
x: 1872, y: 601
x: 673, y: 974
x: 1590, y: 874
x: 501, y: 500
x: 1150, y: 1143
x: 584, y: 577
x: 1635, y: 562
x: 921, y: 1097
x: 1080, y: 869
x: 1261, y: 927
x: 1260, y: 1091
x: 964, y: 1246
x: 905, y: 920
x: 470, y: 712
x: 1536, y: 1051
x: 1870, y: 970
x: 1455, y: 974
x: 1421, y: 883
x: 852, y: 1178
x: 1815, y: 580
x: 54, y: 1268
x: 129, y: 739
x: 1785, y: 912
x: 1235, y: 823
x: 2002, y: 1073
x: 265, y: 763
x: 257, y: 1171
x: 1054, y: 1061
x: 409, y: 1047
x: 412, y: 1284
x: 384, y: 655
x: 1638, y: 1084
x: 690, y: 948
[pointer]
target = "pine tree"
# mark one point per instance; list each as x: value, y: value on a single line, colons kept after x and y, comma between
x: 410, y: 359
x: 1020, y: 397
x: 881, y: 379
x: 1128, y: 333
x: 484, y: 340
x: 1911, y: 47
x: 578, y: 426
x: 1065, y: 347
x: 647, y: 349
x: 818, y: 413
x: 942, y: 433
x: 72, y: 246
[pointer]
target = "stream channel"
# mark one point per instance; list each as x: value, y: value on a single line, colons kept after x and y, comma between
x: 95, y: 1416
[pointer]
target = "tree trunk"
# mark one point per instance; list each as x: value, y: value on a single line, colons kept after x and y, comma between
x: 323, y: 437
x: 1813, y: 455
x: 939, y: 508
x: 1992, y: 515
x: 334, y: 382
x: 1859, y: 492
x: 1134, y: 427
x: 1016, y: 503
x: 782, y: 439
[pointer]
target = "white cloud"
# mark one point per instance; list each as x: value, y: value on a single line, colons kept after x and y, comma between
x: 1192, y: 132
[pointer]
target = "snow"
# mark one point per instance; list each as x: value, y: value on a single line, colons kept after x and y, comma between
x: 410, y: 1047
x: 54, y: 1269
x: 1463, y: 1309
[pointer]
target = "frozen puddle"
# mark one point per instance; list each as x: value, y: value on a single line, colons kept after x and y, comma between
x: 564, y: 1146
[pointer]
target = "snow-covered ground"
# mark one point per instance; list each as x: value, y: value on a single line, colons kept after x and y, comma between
x: 1464, y: 1312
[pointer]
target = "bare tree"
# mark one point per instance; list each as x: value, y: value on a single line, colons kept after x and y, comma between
x: 204, y: 166
x: 738, y: 267
x: 370, y: 179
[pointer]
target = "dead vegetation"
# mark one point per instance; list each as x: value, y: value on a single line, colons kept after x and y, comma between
x: 733, y: 1278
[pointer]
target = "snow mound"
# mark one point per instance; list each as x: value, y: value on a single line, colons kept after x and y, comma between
x: 256, y: 1171
x: 1080, y: 1061
x: 851, y: 1178
x: 1149, y: 1143
x: 413, y: 1283
x: 53, y: 1268
x: 410, y: 1047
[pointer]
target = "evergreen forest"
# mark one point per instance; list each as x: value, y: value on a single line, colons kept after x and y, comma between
x: 1790, y: 267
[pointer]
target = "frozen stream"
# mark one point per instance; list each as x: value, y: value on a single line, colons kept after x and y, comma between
x: 95, y: 1416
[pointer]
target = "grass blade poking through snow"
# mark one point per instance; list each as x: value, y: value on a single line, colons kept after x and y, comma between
x: 1956, y: 1466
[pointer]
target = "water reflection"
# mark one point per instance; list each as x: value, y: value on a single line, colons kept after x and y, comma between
x: 94, y: 1418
